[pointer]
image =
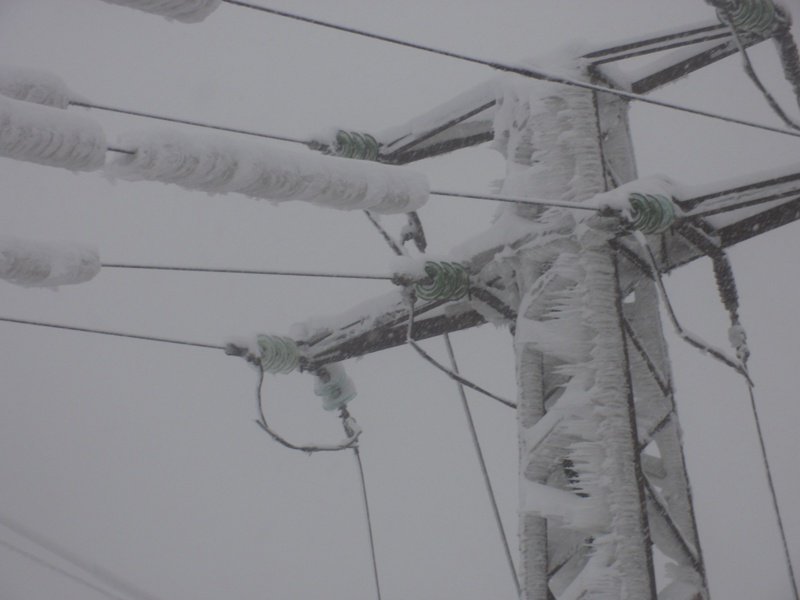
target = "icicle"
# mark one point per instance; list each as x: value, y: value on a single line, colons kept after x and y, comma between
x: 215, y: 163
x: 33, y: 85
x: 46, y: 264
x: 334, y: 387
x: 185, y: 11
x: 47, y: 136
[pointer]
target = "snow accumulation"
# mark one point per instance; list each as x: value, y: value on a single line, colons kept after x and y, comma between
x: 47, y: 136
x: 185, y: 11
x: 220, y: 164
x: 33, y: 85
x: 46, y: 264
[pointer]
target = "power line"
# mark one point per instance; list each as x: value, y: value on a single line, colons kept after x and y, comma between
x: 484, y: 470
x: 48, y: 565
x: 136, y: 113
x: 517, y: 70
x: 318, y: 274
x: 112, y: 333
x: 100, y: 574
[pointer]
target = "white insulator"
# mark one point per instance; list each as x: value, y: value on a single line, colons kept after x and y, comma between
x: 185, y: 11
x: 48, y: 136
x: 33, y: 85
x: 221, y: 164
x: 46, y: 264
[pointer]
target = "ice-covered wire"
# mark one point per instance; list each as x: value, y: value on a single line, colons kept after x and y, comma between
x: 515, y: 69
x: 484, y: 470
x: 449, y: 372
x: 686, y: 336
x: 349, y: 442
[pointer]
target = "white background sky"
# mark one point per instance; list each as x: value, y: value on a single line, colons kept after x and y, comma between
x: 144, y: 458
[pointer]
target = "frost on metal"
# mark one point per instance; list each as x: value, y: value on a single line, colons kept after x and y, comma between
x: 33, y: 85
x: 185, y: 11
x: 47, y: 136
x: 222, y: 164
x: 46, y: 264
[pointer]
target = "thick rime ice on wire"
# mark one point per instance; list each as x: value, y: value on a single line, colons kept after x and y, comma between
x: 49, y: 136
x: 46, y: 264
x: 222, y: 164
x: 185, y: 11
x: 33, y: 85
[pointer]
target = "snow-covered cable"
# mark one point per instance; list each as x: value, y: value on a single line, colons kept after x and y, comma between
x: 185, y: 11
x: 48, y: 136
x: 219, y: 164
x: 46, y: 264
x: 33, y: 85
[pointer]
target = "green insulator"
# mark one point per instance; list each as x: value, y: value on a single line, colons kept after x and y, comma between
x: 651, y: 213
x: 446, y: 281
x: 758, y: 17
x: 334, y: 387
x: 278, y: 354
x: 352, y: 144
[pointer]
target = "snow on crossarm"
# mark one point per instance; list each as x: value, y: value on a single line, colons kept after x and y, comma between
x: 46, y: 264
x: 48, y: 136
x: 216, y: 163
x: 33, y: 85
x: 185, y: 11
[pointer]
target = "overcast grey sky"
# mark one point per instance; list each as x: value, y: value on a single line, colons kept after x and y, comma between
x: 145, y: 459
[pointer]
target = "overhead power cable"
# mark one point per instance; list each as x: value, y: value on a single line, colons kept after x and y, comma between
x: 136, y: 113
x: 112, y: 333
x: 482, y: 462
x: 319, y: 274
x: 48, y: 565
x: 515, y: 69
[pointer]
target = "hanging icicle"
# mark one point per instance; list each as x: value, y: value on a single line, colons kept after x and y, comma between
x: 445, y: 281
x: 33, y: 85
x: 48, y: 136
x: 334, y: 386
x: 46, y: 264
x: 651, y: 213
x: 278, y: 354
x: 185, y: 11
x: 222, y: 164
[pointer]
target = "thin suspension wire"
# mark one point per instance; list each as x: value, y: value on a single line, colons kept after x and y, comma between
x: 773, y: 494
x: 484, y: 470
x: 103, y: 576
x: 248, y: 271
x: 136, y: 113
x: 48, y: 565
x: 516, y: 200
x: 112, y: 333
x: 518, y: 70
x: 357, y: 455
x: 751, y: 73
x: 449, y: 372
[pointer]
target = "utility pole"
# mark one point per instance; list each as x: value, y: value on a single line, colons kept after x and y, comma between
x: 603, y: 483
